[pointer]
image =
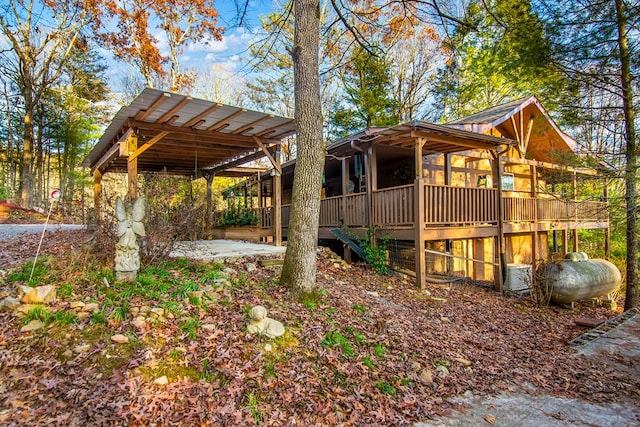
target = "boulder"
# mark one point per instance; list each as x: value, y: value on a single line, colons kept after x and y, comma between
x: 40, y: 295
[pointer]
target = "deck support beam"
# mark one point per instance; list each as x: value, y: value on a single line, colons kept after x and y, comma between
x: 277, y: 199
x: 500, y: 243
x: 419, y: 217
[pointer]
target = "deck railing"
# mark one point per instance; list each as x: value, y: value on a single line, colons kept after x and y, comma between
x: 394, y: 206
x: 444, y: 206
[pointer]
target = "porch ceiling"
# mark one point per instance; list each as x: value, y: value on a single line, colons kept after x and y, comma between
x: 181, y: 135
x: 436, y: 138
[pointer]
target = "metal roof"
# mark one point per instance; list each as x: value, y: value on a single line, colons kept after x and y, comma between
x: 184, y: 134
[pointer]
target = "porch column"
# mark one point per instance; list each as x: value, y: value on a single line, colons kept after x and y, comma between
x: 277, y: 200
x: 534, y: 196
x: 208, y: 223
x: 367, y: 176
x: 448, y: 243
x: 419, y: 217
x: 342, y: 215
x: 97, y: 196
x: 500, y: 265
x: 132, y: 167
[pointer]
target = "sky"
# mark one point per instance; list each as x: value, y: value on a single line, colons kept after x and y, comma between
x: 226, y: 56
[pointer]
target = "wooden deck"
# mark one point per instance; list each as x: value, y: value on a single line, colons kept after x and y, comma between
x: 450, y: 212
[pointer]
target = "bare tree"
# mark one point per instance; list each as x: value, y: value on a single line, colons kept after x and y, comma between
x: 41, y: 35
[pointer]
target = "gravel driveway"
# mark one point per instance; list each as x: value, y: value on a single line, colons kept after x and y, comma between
x: 9, y: 231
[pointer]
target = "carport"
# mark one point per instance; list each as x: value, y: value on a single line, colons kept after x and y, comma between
x: 180, y: 135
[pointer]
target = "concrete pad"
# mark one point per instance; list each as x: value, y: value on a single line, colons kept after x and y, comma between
x: 208, y: 250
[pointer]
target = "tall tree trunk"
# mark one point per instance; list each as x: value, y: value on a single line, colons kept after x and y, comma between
x: 26, y: 167
x: 299, y: 270
x: 631, y: 297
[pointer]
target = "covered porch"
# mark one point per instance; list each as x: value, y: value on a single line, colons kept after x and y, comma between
x: 184, y: 136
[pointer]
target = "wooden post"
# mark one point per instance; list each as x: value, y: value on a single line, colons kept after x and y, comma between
x: 502, y: 259
x: 209, y: 176
x: 448, y: 243
x: 419, y: 217
x: 565, y: 242
x: 534, y: 196
x: 344, y: 164
x: 97, y: 196
x: 277, y: 201
x: 132, y: 167
x: 367, y: 177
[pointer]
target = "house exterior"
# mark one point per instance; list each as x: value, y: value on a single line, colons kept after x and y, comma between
x: 433, y: 192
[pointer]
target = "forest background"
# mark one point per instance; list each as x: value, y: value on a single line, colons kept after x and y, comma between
x: 381, y: 63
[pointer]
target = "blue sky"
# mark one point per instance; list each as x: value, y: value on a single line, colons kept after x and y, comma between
x: 226, y: 56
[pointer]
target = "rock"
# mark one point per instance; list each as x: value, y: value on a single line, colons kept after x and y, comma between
x: 463, y: 362
x: 436, y: 299
x: 82, y: 348
x: 209, y: 327
x: 156, y: 312
x: 34, y: 325
x: 25, y: 308
x: 40, y: 295
x: 134, y: 311
x: 83, y: 315
x: 426, y: 376
x: 92, y: 307
x: 68, y: 354
x: 163, y: 380
x: 139, y: 322
x: 373, y: 294
x: 268, y: 347
x: 145, y: 309
x: 445, y: 319
x: 250, y: 267
x: 442, y: 371
x: 76, y: 305
x: 9, y: 303
x: 24, y: 290
x: 120, y: 339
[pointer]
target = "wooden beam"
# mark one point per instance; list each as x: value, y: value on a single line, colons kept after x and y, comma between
x: 252, y: 124
x: 274, y: 163
x: 202, y: 115
x: 174, y: 109
x: 419, y: 218
x: 237, y: 161
x: 277, y: 200
x: 199, y: 135
x: 143, y: 114
x: 419, y: 143
x: 147, y: 145
x: 225, y: 122
x: 97, y: 196
x: 132, y: 170
x: 107, y: 157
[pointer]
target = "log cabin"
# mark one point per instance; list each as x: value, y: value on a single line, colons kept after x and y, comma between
x: 480, y: 197
x: 487, y: 196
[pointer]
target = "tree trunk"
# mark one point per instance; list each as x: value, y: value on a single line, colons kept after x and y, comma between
x: 631, y: 297
x: 26, y: 167
x: 299, y: 269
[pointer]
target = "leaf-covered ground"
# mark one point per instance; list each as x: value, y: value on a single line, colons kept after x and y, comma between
x: 365, y: 350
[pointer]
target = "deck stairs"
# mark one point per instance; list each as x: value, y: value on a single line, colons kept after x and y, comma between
x: 340, y: 235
